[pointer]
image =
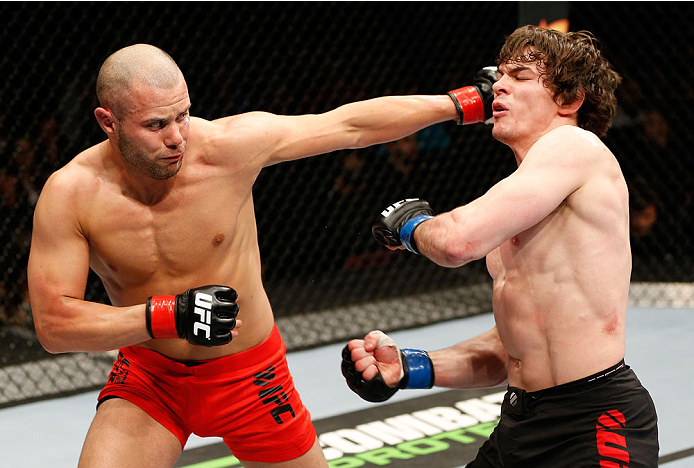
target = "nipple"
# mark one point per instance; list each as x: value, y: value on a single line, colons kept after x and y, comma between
x: 218, y: 239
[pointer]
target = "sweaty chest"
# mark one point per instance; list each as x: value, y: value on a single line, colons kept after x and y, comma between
x: 534, y: 250
x: 505, y: 257
x: 135, y: 243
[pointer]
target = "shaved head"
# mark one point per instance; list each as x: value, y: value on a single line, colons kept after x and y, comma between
x: 139, y: 63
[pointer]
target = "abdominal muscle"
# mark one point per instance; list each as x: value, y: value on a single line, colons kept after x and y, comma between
x: 553, y: 331
x: 238, y: 266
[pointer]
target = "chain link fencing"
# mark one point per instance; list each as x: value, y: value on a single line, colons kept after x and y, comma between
x: 326, y: 278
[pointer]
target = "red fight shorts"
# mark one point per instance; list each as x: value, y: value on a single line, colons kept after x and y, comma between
x: 248, y: 399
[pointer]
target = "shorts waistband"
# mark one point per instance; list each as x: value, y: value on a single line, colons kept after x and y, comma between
x: 255, y: 356
x: 578, y: 384
x: 599, y: 385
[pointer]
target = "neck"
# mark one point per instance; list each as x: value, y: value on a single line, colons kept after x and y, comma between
x: 522, y: 147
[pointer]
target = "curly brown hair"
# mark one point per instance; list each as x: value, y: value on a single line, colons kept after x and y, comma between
x: 572, y: 67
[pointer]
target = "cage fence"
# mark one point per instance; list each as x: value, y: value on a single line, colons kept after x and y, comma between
x: 326, y: 278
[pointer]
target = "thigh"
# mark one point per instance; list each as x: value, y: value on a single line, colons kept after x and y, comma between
x: 263, y: 419
x: 488, y: 454
x: 314, y: 458
x: 122, y: 434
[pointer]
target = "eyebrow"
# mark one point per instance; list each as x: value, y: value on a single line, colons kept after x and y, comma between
x: 155, y: 119
x: 515, y: 68
x: 163, y: 119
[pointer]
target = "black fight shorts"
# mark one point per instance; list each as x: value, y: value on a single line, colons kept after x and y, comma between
x: 607, y: 420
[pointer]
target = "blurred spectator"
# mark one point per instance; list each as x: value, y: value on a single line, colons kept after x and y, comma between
x: 646, y: 247
x: 643, y: 207
x: 47, y: 148
x: 402, y: 155
x: 24, y: 159
x: 19, y: 191
x: 351, y: 180
x: 656, y: 129
x: 661, y: 163
x: 653, y: 158
x: 630, y: 106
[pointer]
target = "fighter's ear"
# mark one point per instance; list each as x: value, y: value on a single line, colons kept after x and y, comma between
x: 106, y: 120
x: 566, y: 110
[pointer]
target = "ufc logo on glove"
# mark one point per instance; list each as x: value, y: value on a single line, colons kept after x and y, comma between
x: 203, y: 308
x: 205, y: 316
x: 388, y: 211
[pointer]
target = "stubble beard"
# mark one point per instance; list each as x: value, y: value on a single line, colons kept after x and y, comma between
x: 505, y: 135
x: 138, y: 158
x: 499, y: 134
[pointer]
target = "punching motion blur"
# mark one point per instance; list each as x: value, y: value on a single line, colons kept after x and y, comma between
x: 162, y: 211
x: 555, y: 235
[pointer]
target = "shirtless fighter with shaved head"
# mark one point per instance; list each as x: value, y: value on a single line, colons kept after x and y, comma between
x: 162, y: 211
x: 555, y: 235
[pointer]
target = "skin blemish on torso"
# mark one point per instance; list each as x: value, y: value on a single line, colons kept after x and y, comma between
x: 218, y: 239
x: 612, y: 325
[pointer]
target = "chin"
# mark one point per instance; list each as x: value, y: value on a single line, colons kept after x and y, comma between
x: 499, y: 134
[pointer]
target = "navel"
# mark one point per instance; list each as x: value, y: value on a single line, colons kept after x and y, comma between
x: 218, y: 239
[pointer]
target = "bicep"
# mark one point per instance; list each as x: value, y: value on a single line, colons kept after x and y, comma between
x: 262, y: 139
x: 302, y: 136
x: 557, y: 165
x: 513, y: 205
x: 525, y: 198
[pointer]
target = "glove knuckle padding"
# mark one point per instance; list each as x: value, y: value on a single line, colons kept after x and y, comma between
x: 387, y: 225
x: 374, y: 390
x: 208, y: 314
x: 483, y: 81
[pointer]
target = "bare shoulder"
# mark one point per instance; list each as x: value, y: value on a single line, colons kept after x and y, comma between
x: 571, y: 143
x: 241, y: 137
x: 75, y: 184
x: 576, y: 154
x: 79, y: 176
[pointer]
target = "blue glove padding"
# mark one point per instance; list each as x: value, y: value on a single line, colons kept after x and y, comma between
x: 407, y: 231
x: 418, y: 369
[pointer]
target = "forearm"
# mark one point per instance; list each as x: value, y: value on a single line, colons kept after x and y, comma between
x: 390, y: 118
x: 449, y: 240
x: 350, y: 126
x: 476, y: 363
x: 74, y: 325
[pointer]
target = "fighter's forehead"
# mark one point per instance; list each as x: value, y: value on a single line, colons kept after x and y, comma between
x: 513, y: 66
x: 143, y: 97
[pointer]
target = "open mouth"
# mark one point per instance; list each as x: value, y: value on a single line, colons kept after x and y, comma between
x: 498, y: 107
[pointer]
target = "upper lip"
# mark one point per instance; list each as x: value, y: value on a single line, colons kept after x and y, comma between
x: 497, y: 106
